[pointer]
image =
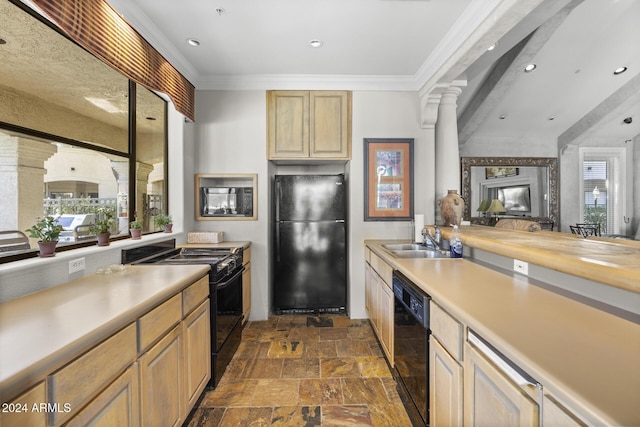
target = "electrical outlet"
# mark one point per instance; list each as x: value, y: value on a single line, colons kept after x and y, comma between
x: 76, y: 265
x: 520, y: 267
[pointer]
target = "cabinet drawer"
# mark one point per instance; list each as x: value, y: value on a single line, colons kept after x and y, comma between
x: 77, y: 382
x: 194, y: 295
x: 19, y: 411
x: 447, y: 329
x: 383, y: 269
x: 154, y: 324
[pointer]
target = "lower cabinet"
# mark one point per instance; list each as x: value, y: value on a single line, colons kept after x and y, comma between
x: 491, y: 398
x: 117, y: 405
x: 246, y: 284
x: 379, y: 301
x: 161, y: 382
x: 150, y: 373
x: 445, y: 384
x: 197, y: 348
x: 557, y: 415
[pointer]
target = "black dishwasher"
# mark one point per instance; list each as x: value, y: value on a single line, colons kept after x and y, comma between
x: 411, y: 347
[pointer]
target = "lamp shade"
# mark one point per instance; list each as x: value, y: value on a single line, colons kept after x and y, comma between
x: 484, y: 205
x: 496, y: 207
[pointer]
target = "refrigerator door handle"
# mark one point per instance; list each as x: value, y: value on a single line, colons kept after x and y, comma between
x: 277, y: 242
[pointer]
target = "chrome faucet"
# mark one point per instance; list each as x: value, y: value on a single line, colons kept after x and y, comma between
x: 429, y: 240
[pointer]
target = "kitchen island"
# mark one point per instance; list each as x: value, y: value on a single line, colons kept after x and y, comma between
x: 584, y: 357
x: 103, y: 328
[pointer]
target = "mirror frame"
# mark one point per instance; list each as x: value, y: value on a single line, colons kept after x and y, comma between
x: 551, y: 163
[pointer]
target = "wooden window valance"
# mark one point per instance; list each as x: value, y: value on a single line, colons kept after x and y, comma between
x: 97, y: 27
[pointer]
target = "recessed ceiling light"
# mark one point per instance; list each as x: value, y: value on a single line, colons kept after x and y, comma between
x: 493, y: 46
x: 619, y: 70
x: 551, y: 118
x: 193, y: 42
x: 529, y: 68
x: 3, y: 41
x: 502, y: 116
x: 315, y: 43
x: 150, y: 118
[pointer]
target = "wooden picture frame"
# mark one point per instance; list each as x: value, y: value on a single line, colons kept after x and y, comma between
x: 388, y: 179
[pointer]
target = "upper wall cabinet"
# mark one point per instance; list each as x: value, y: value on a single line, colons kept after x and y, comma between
x: 309, y: 125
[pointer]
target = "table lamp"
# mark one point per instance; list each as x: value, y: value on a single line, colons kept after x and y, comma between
x: 495, y: 208
x: 484, y: 205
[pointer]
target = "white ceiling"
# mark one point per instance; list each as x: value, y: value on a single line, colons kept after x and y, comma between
x: 390, y: 45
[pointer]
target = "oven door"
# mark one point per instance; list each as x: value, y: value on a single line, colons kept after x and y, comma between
x: 226, y: 323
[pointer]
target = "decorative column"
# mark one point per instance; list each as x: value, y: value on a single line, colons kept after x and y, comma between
x: 447, y: 166
x: 22, y: 175
x: 142, y: 180
x: 429, y: 115
x: 121, y: 172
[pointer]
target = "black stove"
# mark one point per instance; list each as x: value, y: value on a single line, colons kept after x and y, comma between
x: 225, y: 292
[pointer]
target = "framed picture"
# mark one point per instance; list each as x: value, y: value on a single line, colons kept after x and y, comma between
x: 500, y: 172
x: 388, y: 179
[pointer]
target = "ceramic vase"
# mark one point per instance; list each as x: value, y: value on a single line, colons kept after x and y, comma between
x: 451, y: 208
x: 168, y: 228
x: 135, y: 233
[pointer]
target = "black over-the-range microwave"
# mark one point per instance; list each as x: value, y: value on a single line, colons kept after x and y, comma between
x: 226, y: 201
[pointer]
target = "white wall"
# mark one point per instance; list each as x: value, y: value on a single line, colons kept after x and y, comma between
x: 229, y: 136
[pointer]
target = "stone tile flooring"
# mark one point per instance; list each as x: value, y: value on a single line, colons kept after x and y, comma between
x: 301, y: 370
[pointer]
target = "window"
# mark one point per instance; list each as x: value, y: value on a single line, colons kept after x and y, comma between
x: 68, y: 141
x: 603, y: 188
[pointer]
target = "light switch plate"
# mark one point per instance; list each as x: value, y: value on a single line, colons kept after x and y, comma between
x: 520, y: 267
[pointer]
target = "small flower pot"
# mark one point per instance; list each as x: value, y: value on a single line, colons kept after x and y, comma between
x: 168, y: 228
x: 47, y: 249
x: 135, y: 233
x: 103, y: 239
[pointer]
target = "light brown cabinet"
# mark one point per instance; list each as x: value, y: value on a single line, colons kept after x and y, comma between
x: 308, y: 125
x: 151, y: 372
x: 20, y: 411
x: 117, y: 405
x: 491, y: 398
x: 161, y: 382
x: 445, y: 369
x: 556, y: 414
x: 379, y: 301
x: 246, y: 284
x: 197, y: 348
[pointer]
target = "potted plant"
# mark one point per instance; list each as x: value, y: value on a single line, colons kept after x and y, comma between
x: 47, y: 232
x: 103, y: 225
x: 164, y: 221
x: 135, y: 227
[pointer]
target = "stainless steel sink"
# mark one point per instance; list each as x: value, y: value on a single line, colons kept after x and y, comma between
x: 414, y: 250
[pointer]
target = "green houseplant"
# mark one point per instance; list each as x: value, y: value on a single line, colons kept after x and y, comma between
x: 163, y: 221
x: 47, y: 231
x: 103, y: 225
x: 135, y: 227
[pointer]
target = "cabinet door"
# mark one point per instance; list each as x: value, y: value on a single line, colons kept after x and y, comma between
x: 246, y: 291
x: 288, y: 124
x: 330, y: 133
x: 555, y: 414
x: 196, y: 334
x: 368, y: 290
x: 117, y: 405
x: 19, y: 413
x: 445, y: 385
x: 385, y: 304
x: 161, y: 383
x: 491, y: 399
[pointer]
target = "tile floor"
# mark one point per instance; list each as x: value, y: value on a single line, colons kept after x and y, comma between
x: 301, y: 370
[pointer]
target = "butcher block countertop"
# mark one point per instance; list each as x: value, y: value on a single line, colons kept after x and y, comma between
x: 579, y: 353
x: 614, y: 262
x: 40, y: 332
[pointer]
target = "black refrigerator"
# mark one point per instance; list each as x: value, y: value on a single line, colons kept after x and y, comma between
x: 310, y: 244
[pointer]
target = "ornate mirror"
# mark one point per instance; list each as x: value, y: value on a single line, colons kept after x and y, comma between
x: 527, y: 188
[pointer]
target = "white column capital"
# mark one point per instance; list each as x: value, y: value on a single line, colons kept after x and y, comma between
x: 429, y: 110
